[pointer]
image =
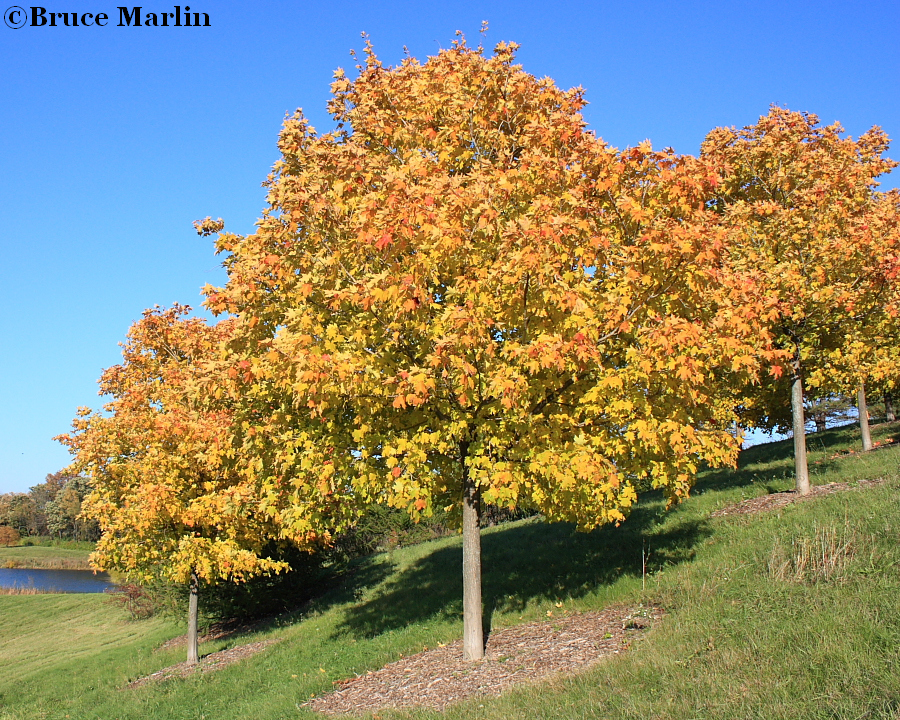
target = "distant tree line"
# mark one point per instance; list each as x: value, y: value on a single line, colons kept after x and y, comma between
x: 51, y: 508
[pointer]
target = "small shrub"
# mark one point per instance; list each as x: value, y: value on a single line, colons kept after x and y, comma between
x: 8, y: 535
x: 136, y: 599
x: 499, y: 514
x: 267, y: 595
x: 229, y: 602
x: 385, y: 528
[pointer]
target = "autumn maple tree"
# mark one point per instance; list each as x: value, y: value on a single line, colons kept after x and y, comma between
x: 870, y: 356
x: 467, y: 297
x: 798, y: 202
x: 167, y: 505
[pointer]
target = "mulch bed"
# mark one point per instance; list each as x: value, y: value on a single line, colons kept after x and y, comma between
x: 523, y: 653
x: 216, y: 631
x: 780, y: 499
x: 208, y: 663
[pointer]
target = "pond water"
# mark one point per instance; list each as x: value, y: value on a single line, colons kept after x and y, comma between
x: 67, y: 581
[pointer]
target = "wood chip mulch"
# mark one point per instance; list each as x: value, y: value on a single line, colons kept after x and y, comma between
x: 523, y: 653
x: 780, y: 499
x: 208, y: 663
x: 216, y: 631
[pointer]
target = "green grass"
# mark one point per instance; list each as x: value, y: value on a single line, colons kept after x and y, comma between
x: 833, y: 456
x: 793, y: 613
x: 48, y: 632
x: 45, y: 557
x: 50, y: 541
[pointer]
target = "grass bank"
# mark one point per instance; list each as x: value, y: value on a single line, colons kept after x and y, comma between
x: 794, y: 613
x: 46, y: 557
x: 20, y: 591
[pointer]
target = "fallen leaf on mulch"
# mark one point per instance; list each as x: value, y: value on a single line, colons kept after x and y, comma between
x: 208, y: 663
x: 780, y: 499
x: 523, y: 653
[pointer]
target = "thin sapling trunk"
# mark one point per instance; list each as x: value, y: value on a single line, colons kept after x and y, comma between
x: 473, y: 633
x: 864, y: 418
x: 801, y: 469
x: 193, y: 655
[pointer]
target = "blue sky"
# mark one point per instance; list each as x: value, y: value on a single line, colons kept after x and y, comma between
x: 114, y: 139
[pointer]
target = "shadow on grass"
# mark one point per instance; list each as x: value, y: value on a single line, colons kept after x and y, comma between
x: 535, y: 561
x: 529, y: 561
x: 889, y: 432
x: 771, y: 465
x: 330, y: 590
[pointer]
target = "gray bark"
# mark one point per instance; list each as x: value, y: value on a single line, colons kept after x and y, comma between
x: 889, y: 407
x: 801, y: 469
x: 864, y: 418
x: 473, y: 633
x: 193, y: 654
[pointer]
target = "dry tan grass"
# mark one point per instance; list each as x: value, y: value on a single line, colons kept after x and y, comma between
x: 21, y: 591
x: 48, y: 564
x: 824, y: 556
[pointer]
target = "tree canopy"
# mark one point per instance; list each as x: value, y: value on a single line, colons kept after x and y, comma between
x: 165, y: 504
x: 465, y: 296
x: 461, y: 295
x: 806, y: 226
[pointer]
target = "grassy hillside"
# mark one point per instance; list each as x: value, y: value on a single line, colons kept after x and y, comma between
x: 44, y: 557
x: 55, y: 632
x: 787, y: 614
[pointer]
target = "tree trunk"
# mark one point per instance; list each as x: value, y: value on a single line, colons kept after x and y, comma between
x: 864, y: 418
x: 193, y: 655
x: 473, y: 633
x: 801, y: 469
x: 889, y: 407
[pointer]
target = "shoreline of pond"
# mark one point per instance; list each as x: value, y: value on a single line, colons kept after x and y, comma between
x: 44, y: 557
x: 48, y: 565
